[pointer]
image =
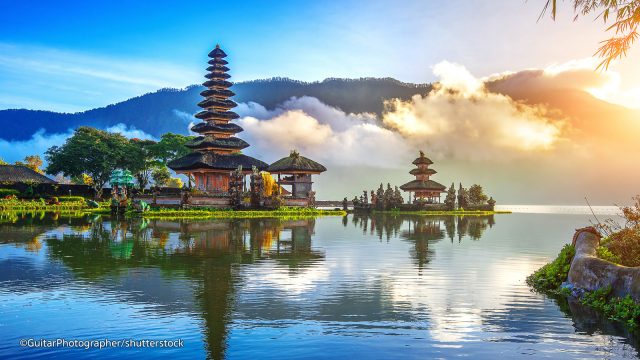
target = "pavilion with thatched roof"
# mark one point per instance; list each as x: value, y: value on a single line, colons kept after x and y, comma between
x: 297, y: 171
x: 22, y: 174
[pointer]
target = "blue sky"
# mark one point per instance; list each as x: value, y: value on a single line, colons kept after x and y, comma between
x: 76, y: 55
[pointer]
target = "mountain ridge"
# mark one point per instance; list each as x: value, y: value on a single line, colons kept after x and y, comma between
x: 171, y: 110
x: 164, y: 110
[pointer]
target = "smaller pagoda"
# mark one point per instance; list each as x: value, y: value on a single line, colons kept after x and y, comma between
x: 424, y: 190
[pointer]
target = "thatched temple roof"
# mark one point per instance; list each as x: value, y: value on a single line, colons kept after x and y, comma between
x: 419, y: 185
x: 213, y: 102
x: 196, y: 160
x: 226, y: 93
x: 296, y: 163
x: 223, y: 128
x: 217, y: 67
x: 217, y: 53
x: 423, y: 171
x: 208, y: 114
x: 20, y: 173
x: 422, y: 160
x: 201, y: 142
x: 218, y: 83
x: 217, y: 75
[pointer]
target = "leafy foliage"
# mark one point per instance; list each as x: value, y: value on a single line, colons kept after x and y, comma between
x: 160, y: 175
x: 477, y: 195
x: 70, y: 199
x: 33, y: 162
x: 170, y: 147
x: 623, y: 309
x: 622, y: 244
x: 141, y: 161
x: 450, y: 199
x: 89, y: 151
x: 624, y: 27
x: 8, y: 192
x: 603, y: 252
x: 552, y: 275
x: 175, y: 183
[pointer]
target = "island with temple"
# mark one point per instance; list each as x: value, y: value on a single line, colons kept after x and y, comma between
x: 424, y: 195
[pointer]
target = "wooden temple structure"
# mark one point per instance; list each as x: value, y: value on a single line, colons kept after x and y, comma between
x: 216, y: 152
x: 295, y: 171
x: 217, y: 156
x: 424, y: 189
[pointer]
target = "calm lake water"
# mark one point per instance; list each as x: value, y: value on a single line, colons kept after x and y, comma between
x: 332, y: 287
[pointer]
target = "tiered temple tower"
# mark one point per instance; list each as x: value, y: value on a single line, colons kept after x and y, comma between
x: 424, y: 189
x: 216, y: 150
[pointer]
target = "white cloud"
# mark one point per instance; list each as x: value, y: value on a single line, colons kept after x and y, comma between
x: 129, y: 132
x: 461, y: 119
x: 321, y: 132
x: 11, y: 151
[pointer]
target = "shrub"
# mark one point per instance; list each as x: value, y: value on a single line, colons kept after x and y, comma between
x: 552, y: 275
x: 70, y: 199
x: 623, y: 242
x: 606, y: 254
x: 625, y: 245
x: 8, y: 192
x: 623, y: 309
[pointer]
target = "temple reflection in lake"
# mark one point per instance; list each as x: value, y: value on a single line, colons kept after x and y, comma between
x: 423, y: 230
x: 232, y: 286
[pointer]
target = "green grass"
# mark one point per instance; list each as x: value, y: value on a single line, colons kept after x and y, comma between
x: 291, y: 213
x: 21, y: 205
x: 68, y: 204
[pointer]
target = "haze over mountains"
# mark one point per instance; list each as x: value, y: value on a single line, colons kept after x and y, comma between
x: 170, y: 110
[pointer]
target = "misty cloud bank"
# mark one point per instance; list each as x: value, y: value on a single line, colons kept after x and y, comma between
x: 460, y: 119
x: 11, y: 151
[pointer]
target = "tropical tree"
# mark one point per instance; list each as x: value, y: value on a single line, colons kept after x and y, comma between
x: 161, y: 175
x: 83, y: 179
x: 175, y: 183
x: 89, y: 151
x: 450, y: 199
x: 2, y: 162
x: 463, y: 197
x: 477, y: 195
x: 142, y: 160
x: 397, y: 197
x: 170, y: 147
x: 624, y: 25
x: 380, y: 197
x: 33, y: 162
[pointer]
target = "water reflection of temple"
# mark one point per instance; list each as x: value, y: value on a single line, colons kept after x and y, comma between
x: 422, y: 230
x: 206, y: 254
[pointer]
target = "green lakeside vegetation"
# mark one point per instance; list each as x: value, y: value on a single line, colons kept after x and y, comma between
x: 65, y: 206
x: 284, y: 212
x: 55, y: 204
x: 621, y: 246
